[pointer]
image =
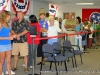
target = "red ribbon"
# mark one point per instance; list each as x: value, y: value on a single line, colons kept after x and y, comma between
x: 64, y: 35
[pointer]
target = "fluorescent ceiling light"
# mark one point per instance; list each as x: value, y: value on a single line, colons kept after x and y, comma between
x: 84, y: 3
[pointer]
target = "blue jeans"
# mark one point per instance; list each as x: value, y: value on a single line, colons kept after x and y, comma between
x: 51, y: 41
x: 78, y: 41
x: 30, y: 54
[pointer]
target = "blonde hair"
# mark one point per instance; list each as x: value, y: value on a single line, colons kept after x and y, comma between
x: 0, y: 20
x: 5, y: 14
x: 0, y: 17
x: 42, y: 13
x: 51, y: 18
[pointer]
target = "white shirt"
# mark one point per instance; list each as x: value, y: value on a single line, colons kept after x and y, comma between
x: 53, y: 31
x: 63, y: 24
x: 91, y: 28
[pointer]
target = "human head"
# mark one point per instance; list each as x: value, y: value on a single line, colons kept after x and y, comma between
x: 33, y: 19
x: 20, y: 15
x: 42, y: 15
x: 85, y: 22
x: 47, y: 14
x: 5, y: 16
x: 51, y: 20
x: 67, y: 16
x: 70, y: 16
x: 78, y: 19
x: 60, y: 19
x: 56, y: 18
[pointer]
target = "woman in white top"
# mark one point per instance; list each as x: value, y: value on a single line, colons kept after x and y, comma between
x: 52, y: 30
x: 90, y: 28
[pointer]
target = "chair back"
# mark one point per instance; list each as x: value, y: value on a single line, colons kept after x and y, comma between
x: 47, y: 48
x: 67, y: 43
x: 57, y: 45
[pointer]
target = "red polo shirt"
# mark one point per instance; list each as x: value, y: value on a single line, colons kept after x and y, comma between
x: 29, y: 39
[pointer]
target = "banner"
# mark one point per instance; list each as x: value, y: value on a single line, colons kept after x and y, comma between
x: 91, y: 14
x: 20, y: 5
x: 3, y: 4
x: 53, y: 10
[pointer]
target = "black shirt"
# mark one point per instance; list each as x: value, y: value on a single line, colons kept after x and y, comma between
x: 19, y: 28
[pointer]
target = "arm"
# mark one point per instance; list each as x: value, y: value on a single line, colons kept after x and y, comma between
x: 12, y: 32
x: 45, y: 29
x: 23, y: 33
x: 26, y: 29
x: 4, y: 38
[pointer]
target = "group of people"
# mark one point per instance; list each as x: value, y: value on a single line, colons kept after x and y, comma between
x: 76, y: 26
x: 46, y: 27
x: 22, y: 41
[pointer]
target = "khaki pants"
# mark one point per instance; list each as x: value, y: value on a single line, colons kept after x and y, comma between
x: 21, y: 48
x: 71, y: 38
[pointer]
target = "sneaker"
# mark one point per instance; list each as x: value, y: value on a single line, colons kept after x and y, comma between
x: 23, y: 65
x: 12, y: 72
x: 31, y: 67
x: 2, y: 73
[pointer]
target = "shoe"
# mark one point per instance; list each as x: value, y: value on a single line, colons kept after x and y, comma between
x: 12, y: 72
x: 2, y: 73
x: 40, y: 63
x: 26, y: 70
x: 23, y: 65
x: 31, y: 67
x: 14, y: 69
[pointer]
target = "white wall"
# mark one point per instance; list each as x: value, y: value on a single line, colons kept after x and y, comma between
x: 72, y: 8
x: 36, y: 7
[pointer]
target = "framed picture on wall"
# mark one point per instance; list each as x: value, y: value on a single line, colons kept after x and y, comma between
x: 66, y: 14
x: 41, y: 9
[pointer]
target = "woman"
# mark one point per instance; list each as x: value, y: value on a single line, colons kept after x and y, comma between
x: 5, y: 41
x: 33, y: 22
x: 78, y: 30
x: 90, y: 29
x: 52, y: 30
x: 98, y: 33
x: 44, y: 28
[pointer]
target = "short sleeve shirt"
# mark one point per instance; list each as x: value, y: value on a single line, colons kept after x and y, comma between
x: 71, y: 22
x: 19, y: 28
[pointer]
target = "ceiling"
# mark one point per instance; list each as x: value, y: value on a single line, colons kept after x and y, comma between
x: 71, y: 2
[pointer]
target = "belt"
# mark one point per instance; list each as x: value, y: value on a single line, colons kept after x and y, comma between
x: 70, y: 30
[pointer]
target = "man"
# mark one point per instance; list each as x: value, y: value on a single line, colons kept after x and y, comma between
x: 20, y: 28
x: 60, y: 23
x: 70, y: 27
x: 63, y: 24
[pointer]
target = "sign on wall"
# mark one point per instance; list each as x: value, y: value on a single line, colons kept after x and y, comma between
x: 53, y: 10
x: 20, y: 5
x: 3, y: 4
x: 91, y: 14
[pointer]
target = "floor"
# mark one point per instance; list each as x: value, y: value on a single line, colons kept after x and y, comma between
x: 90, y: 66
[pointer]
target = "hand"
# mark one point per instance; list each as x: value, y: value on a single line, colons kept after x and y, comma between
x: 18, y: 37
x: 10, y: 38
x: 14, y: 36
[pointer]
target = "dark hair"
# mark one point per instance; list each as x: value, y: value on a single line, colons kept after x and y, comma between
x: 16, y: 14
x: 91, y: 20
x: 33, y: 18
x: 47, y: 14
x: 79, y: 19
